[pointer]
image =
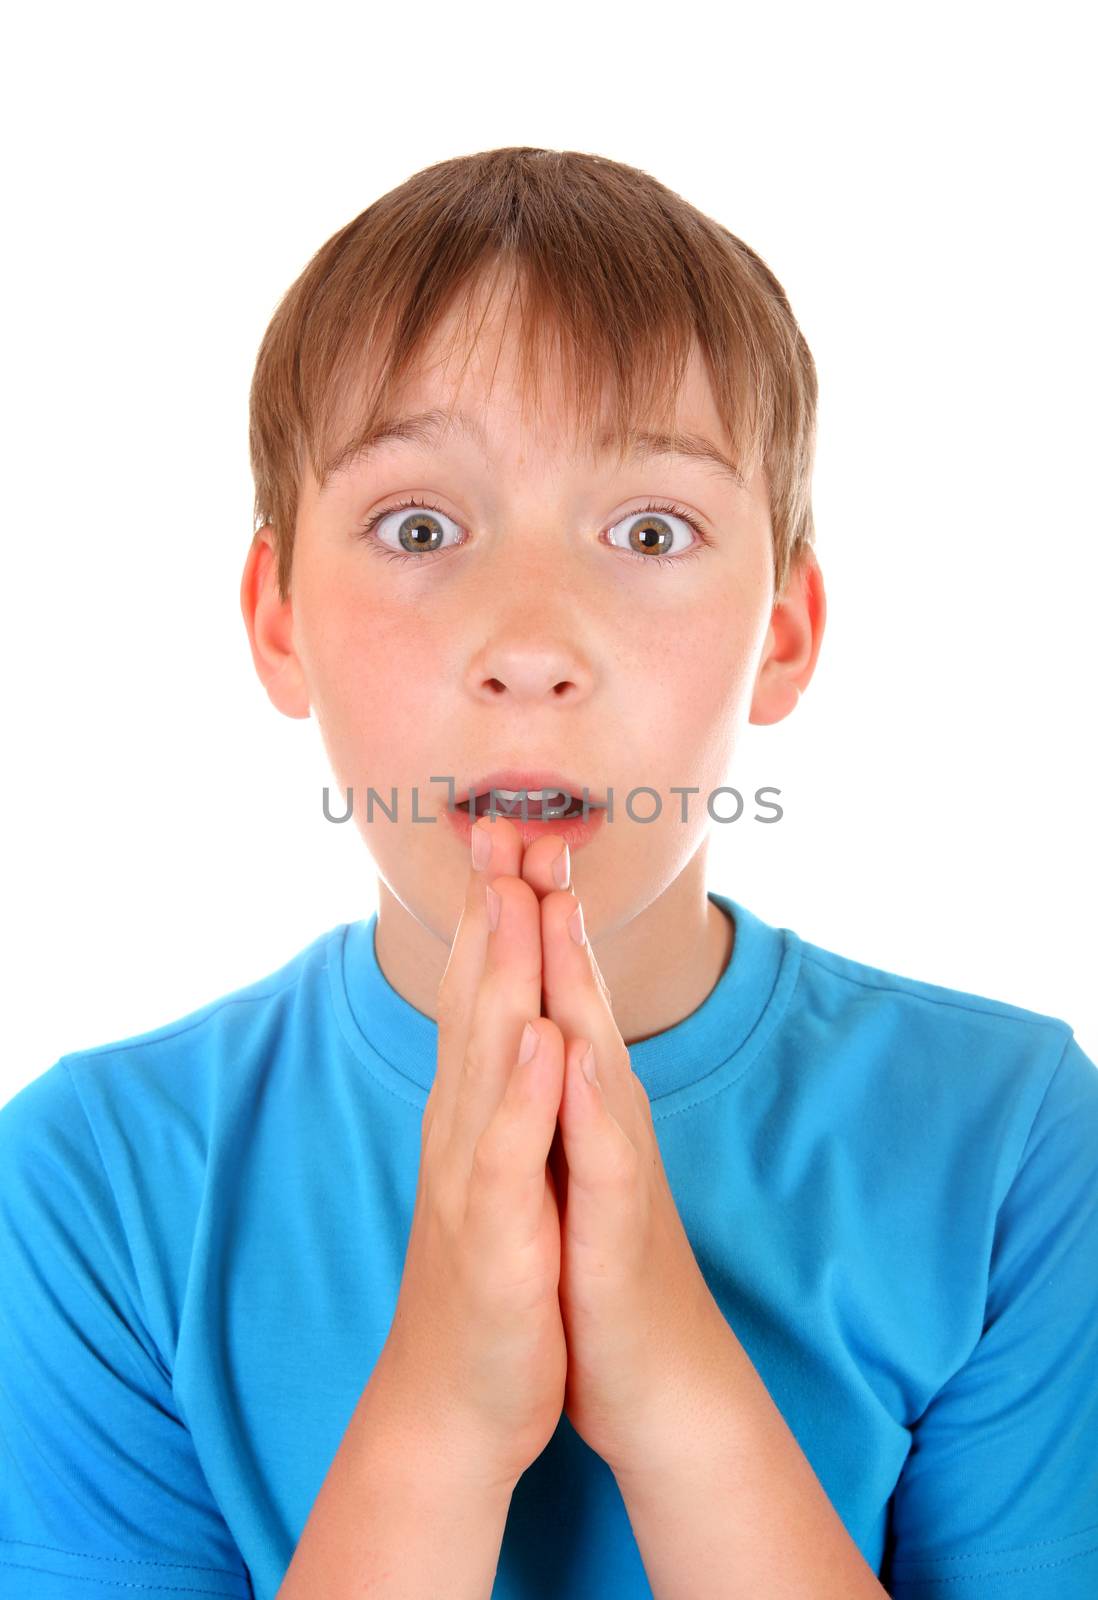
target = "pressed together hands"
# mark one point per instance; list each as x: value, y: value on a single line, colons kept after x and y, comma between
x: 542, y: 1275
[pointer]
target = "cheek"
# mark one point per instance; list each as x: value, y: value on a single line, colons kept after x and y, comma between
x: 370, y: 667
x: 699, y: 664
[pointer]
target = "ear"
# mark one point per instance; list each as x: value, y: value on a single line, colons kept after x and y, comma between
x: 269, y: 621
x: 792, y: 644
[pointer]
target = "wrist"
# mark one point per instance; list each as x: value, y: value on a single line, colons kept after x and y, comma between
x: 688, y: 1420
x: 427, y: 1443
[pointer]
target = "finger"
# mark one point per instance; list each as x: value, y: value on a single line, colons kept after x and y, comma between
x: 465, y: 966
x: 509, y: 1168
x: 599, y: 1153
x: 576, y: 998
x: 547, y: 865
x: 507, y: 997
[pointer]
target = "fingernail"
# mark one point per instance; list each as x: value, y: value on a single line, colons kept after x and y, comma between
x: 588, y: 1063
x: 575, y: 924
x: 528, y: 1043
x: 561, y: 867
x: 482, y: 848
x: 493, y: 907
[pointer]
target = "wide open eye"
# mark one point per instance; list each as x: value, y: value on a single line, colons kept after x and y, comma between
x: 414, y: 530
x: 651, y: 533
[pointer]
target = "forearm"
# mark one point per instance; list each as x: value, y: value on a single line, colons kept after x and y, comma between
x: 740, y: 1512
x: 398, y: 1517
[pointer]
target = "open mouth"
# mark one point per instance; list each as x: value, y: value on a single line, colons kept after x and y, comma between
x: 534, y: 805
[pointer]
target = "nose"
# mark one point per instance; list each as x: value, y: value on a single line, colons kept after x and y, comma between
x: 530, y: 647
x: 531, y: 666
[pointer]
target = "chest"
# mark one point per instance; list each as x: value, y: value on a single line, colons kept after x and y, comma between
x: 294, y: 1280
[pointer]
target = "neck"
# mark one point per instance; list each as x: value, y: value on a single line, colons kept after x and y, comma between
x: 659, y: 963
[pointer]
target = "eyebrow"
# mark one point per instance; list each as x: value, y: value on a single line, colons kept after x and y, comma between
x: 425, y: 427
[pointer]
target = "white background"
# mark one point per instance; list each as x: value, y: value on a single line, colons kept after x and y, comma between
x: 920, y: 180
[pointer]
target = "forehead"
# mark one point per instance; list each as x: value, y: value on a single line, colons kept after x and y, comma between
x: 433, y: 427
x: 475, y: 391
x: 484, y: 376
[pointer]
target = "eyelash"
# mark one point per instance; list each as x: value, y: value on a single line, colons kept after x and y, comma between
x: 376, y: 547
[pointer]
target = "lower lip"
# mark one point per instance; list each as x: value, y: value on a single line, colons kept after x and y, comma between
x: 575, y: 831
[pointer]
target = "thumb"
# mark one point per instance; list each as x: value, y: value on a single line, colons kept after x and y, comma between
x: 590, y: 1133
x: 521, y: 1134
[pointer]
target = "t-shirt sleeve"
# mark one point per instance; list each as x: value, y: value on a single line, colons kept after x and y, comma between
x: 998, y: 1499
x: 101, y: 1491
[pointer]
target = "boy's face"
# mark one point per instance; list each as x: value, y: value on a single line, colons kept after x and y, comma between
x: 540, y: 636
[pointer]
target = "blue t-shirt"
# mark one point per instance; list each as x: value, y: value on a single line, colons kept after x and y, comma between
x: 891, y: 1189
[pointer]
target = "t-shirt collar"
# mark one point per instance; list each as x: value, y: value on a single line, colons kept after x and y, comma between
x: 403, y: 1041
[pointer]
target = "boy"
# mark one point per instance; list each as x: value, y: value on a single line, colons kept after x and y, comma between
x: 333, y: 1287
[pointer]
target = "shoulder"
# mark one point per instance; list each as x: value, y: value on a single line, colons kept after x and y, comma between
x: 940, y: 1066
x: 860, y: 979
x: 188, y: 1072
x: 111, y: 1159
x: 981, y: 1027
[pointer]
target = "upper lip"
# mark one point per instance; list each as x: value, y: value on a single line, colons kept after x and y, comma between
x: 529, y: 778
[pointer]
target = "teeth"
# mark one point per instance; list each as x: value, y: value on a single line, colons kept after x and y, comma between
x: 545, y: 805
x: 531, y: 794
x: 539, y: 802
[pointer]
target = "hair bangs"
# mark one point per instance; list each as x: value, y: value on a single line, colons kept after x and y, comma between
x: 617, y: 282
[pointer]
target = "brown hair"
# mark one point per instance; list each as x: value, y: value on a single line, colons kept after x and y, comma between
x: 620, y: 270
